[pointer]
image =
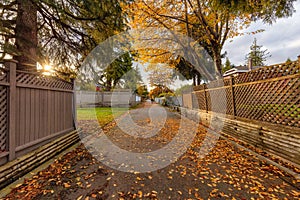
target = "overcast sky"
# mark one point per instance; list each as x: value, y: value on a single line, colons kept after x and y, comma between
x: 282, y: 39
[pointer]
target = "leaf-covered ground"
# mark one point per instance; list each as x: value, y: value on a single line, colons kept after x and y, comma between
x: 226, y: 172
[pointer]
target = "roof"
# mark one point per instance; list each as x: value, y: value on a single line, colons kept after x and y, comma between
x: 234, y: 71
x: 239, y: 69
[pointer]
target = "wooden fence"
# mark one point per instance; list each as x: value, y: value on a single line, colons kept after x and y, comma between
x: 269, y: 94
x: 34, y: 109
x: 117, y: 98
x: 265, y: 97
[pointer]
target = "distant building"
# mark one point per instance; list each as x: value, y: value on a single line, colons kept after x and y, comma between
x: 240, y: 69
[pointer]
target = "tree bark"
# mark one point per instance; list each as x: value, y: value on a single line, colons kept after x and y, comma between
x: 217, y: 63
x: 26, y: 35
x: 194, y: 79
x: 198, y: 78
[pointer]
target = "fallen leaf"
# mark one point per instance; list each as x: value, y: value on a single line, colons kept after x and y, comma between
x: 67, y: 185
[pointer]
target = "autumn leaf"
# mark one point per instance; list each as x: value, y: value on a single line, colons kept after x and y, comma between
x: 67, y: 185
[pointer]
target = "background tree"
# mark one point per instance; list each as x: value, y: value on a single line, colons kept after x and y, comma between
x: 257, y: 55
x: 142, y: 91
x: 132, y: 79
x: 288, y: 61
x: 227, y: 65
x: 112, y: 75
x: 160, y: 76
x: 184, y: 88
x: 159, y: 91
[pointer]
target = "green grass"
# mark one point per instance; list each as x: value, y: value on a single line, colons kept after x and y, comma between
x: 104, y: 115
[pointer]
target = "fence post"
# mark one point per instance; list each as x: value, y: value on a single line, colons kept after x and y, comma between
x: 74, y: 108
x: 12, y: 65
x: 205, y: 98
x: 102, y: 98
x: 192, y: 98
x: 232, y: 96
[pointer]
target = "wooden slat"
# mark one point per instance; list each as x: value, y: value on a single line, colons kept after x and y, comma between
x: 27, y: 116
x: 33, y: 119
x: 37, y: 113
x: 12, y: 111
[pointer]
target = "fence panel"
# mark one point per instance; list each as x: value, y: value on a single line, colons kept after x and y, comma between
x: 187, y: 100
x: 201, y: 99
x: 44, y: 106
x: 34, y: 109
x: 272, y: 95
x: 269, y: 94
x: 120, y: 97
x: 264, y: 105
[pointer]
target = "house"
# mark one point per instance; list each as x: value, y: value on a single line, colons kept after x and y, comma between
x: 240, y: 69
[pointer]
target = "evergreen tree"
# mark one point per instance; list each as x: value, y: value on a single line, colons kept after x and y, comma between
x: 257, y: 55
x: 132, y: 79
x: 227, y: 66
x: 288, y: 61
x: 62, y: 31
x: 112, y: 75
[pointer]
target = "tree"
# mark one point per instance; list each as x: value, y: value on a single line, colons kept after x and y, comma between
x: 142, y: 91
x: 209, y: 23
x: 288, y: 61
x: 61, y: 32
x: 112, y: 75
x: 227, y: 66
x: 159, y: 91
x: 184, y: 88
x: 160, y: 76
x: 132, y: 79
x: 26, y: 35
x: 266, y: 10
x: 257, y: 56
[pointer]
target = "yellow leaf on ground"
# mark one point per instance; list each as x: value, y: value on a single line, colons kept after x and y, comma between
x: 67, y: 185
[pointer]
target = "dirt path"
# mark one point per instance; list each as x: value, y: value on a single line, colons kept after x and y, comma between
x: 156, y: 158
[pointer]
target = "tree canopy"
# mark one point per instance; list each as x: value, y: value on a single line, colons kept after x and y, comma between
x: 64, y: 31
x: 209, y: 23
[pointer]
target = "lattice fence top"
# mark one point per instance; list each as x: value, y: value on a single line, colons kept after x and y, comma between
x: 42, y: 80
x: 273, y: 71
x: 218, y: 83
x: 213, y: 84
x: 268, y: 72
x: 3, y: 74
x: 200, y: 87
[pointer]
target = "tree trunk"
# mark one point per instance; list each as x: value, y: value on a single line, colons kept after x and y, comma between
x: 26, y: 35
x: 217, y: 63
x: 108, y: 84
x: 198, y: 78
x: 194, y: 79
